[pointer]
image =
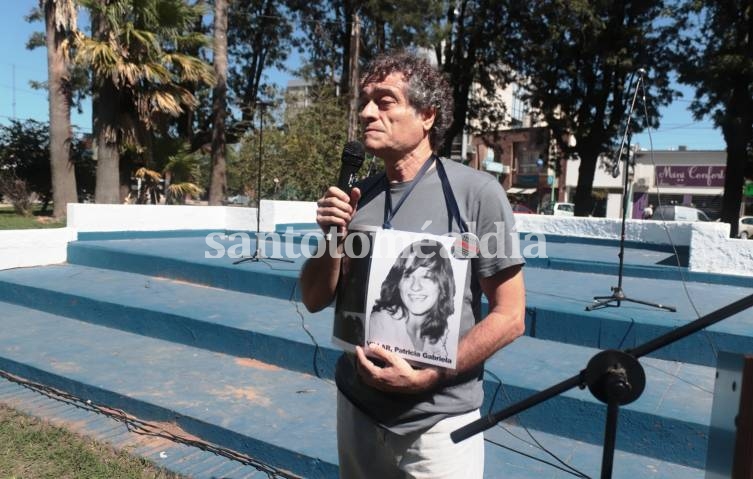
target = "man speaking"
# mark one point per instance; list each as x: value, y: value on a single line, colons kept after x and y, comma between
x: 393, y: 419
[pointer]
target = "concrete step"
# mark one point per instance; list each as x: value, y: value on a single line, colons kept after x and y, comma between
x: 283, y: 418
x: 192, y: 259
x: 181, y: 458
x: 225, y: 321
x: 555, y: 308
x: 279, y: 417
x: 271, y: 330
x: 512, y: 451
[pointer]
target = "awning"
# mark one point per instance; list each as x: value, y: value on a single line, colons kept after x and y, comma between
x: 521, y: 191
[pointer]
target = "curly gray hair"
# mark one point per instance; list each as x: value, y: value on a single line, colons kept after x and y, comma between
x: 427, y: 87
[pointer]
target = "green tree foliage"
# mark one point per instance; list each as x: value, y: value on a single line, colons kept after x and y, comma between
x: 326, y: 28
x: 303, y: 156
x: 25, y: 157
x: 470, y: 38
x: 578, y: 61
x: 715, y: 55
x: 139, y: 73
x: 260, y: 37
x: 477, y: 36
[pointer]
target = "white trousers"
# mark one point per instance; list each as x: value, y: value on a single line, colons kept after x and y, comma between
x: 369, y: 451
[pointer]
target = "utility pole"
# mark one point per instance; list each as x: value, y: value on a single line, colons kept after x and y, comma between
x: 14, y: 91
x: 355, y: 42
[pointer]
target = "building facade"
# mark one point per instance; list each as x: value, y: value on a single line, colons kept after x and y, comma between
x: 668, y: 177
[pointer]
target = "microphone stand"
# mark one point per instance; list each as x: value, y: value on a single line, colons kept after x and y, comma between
x: 618, y: 295
x: 613, y: 377
x: 258, y: 254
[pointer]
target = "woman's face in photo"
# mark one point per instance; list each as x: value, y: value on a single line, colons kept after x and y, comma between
x: 419, y: 291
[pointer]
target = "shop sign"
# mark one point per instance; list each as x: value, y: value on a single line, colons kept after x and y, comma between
x: 687, y: 175
x: 527, y: 180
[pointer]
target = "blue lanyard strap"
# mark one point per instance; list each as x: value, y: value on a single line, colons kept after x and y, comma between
x: 389, y: 212
x: 449, y: 198
x: 451, y: 203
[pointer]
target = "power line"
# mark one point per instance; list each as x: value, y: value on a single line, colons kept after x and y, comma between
x: 15, y: 89
x: 73, y: 126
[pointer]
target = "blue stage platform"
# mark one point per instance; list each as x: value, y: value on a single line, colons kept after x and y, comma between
x: 149, y: 324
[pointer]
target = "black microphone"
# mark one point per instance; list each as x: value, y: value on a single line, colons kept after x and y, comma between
x: 352, y: 159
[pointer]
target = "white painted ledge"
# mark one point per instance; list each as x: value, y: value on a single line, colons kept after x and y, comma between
x: 711, y: 250
x: 34, y: 247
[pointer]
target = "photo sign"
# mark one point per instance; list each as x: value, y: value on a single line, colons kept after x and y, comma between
x: 404, y: 292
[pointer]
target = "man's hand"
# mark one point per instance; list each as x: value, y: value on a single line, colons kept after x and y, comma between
x: 336, y: 208
x: 396, y: 375
x: 320, y: 274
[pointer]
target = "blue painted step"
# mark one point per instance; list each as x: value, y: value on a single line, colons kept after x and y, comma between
x: 510, y: 450
x: 556, y: 311
x: 270, y: 330
x: 180, y: 458
x: 280, y: 417
x: 186, y: 259
x: 556, y: 298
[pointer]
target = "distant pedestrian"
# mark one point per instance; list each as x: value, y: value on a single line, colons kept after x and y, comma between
x: 648, y: 212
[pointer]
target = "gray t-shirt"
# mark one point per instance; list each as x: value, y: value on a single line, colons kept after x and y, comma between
x: 484, y: 206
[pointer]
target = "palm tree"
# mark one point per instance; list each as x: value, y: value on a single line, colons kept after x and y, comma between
x: 60, y: 23
x: 218, y: 186
x: 138, y: 73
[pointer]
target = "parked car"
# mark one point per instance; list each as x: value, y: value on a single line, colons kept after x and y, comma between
x: 679, y: 213
x: 521, y: 208
x: 238, y: 200
x: 559, y: 209
x: 745, y: 227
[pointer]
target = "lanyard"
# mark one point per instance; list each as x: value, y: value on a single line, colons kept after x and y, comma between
x: 389, y: 212
x: 451, y: 203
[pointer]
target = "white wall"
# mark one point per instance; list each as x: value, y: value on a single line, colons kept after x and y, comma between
x: 93, y: 217
x: 711, y: 249
x: 653, y: 232
x: 34, y: 247
x: 276, y: 212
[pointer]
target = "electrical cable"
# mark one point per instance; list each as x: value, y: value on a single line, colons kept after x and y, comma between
x: 571, y: 469
x: 310, y: 335
x: 139, y: 426
x: 683, y: 281
x: 530, y: 456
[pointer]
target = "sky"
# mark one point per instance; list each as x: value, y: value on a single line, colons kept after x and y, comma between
x: 18, y: 100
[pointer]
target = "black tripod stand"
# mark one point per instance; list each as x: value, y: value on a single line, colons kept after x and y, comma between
x: 258, y: 254
x: 618, y: 295
x: 613, y: 377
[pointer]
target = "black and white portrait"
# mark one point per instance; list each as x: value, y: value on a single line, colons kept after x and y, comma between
x: 415, y: 296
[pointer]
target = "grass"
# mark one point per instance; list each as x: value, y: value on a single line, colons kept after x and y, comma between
x: 10, y: 220
x: 31, y: 448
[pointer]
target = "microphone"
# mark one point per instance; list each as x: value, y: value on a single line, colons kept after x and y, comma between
x: 352, y: 159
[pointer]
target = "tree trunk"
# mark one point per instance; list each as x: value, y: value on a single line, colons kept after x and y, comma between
x: 737, y: 134
x: 104, y: 108
x: 105, y: 113
x: 61, y: 166
x: 584, y: 202
x: 218, y: 185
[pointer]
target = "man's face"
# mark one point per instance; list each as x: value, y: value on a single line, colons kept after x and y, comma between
x: 392, y: 127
